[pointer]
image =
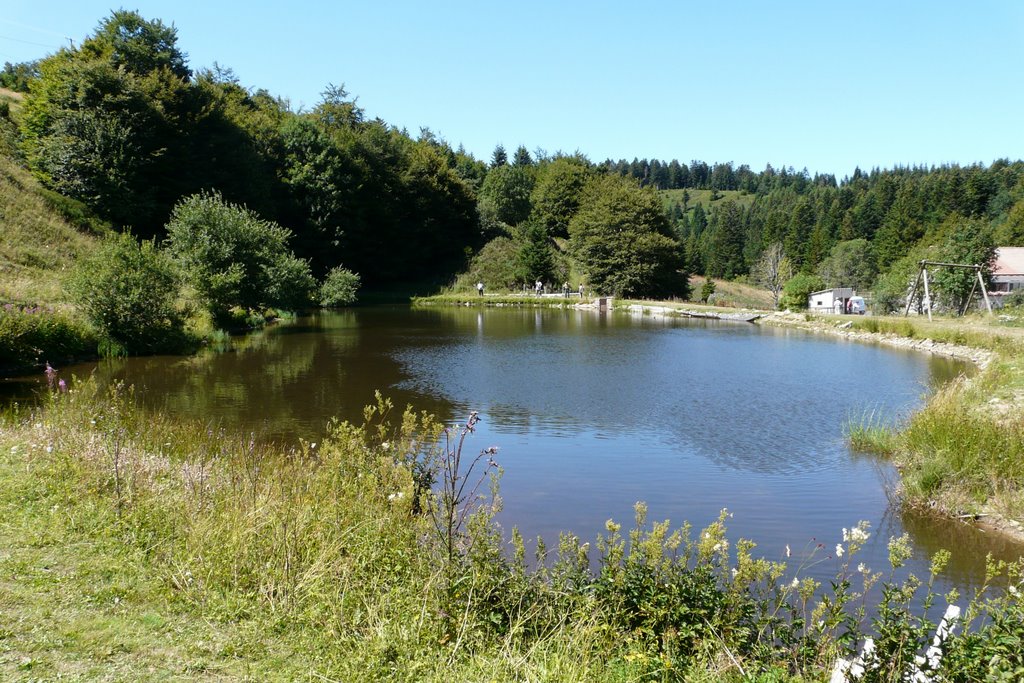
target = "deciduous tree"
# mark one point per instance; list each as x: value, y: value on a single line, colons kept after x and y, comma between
x: 621, y: 238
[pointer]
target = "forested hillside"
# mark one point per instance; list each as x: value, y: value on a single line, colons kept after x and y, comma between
x: 126, y: 127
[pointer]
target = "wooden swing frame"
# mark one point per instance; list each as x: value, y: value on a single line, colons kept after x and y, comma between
x: 922, y: 274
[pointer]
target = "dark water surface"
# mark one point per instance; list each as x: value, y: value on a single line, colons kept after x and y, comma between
x: 595, y: 412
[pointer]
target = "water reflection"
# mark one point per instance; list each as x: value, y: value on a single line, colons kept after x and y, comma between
x: 595, y: 412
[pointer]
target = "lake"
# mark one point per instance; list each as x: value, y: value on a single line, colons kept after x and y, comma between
x: 593, y: 412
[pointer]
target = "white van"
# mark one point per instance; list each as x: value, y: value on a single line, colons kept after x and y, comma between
x: 857, y: 305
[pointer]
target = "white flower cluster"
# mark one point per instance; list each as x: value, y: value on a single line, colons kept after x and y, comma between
x: 855, y: 534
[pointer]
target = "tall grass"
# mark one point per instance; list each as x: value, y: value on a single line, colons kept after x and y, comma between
x: 972, y: 449
x: 33, y: 335
x: 329, y: 554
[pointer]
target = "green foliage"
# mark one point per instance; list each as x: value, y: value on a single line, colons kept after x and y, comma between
x: 339, y: 288
x: 967, y: 241
x: 724, y: 254
x: 1011, y: 232
x: 707, y: 290
x: 893, y: 287
x: 92, y: 133
x: 534, y: 259
x: 33, y: 335
x: 232, y: 258
x: 496, y: 265
x: 137, y: 45
x: 556, y: 195
x: 17, y: 77
x: 505, y: 193
x: 127, y: 290
x: 849, y: 264
x: 620, y: 238
x: 797, y: 290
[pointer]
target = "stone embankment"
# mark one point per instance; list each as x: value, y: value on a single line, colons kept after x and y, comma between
x: 674, y: 311
x: 980, y: 357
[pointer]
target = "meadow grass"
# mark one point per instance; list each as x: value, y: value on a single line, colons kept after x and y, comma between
x: 38, y: 245
x: 138, y: 549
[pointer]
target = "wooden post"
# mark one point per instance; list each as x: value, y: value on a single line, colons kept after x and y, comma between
x: 927, y: 294
x: 988, y: 304
x: 913, y: 291
x: 970, y: 297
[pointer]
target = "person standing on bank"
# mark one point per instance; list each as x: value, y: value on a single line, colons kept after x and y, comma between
x: 581, y: 290
x: 480, y: 288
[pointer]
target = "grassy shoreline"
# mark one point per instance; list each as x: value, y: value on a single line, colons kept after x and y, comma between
x: 134, y: 548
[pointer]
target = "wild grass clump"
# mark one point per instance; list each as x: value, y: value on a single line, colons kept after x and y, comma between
x: 31, y: 335
x: 871, y: 434
x: 899, y: 327
x: 954, y: 443
x: 373, y: 555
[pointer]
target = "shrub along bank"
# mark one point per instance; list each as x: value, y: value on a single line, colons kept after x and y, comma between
x: 142, y: 549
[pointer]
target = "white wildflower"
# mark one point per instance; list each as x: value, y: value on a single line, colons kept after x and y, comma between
x: 862, y: 568
x: 858, y: 534
x: 795, y: 584
x: 735, y: 572
x: 846, y: 535
x: 312, y: 445
x: 839, y: 549
x: 49, y: 448
x: 396, y: 496
x: 1013, y: 591
x: 386, y: 445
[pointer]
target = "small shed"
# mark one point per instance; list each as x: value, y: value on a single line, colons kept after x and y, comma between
x: 1008, y: 271
x: 830, y: 300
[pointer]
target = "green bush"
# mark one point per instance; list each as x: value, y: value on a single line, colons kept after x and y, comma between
x: 233, y: 258
x: 1014, y: 299
x: 30, y: 336
x: 339, y: 288
x: 707, y: 290
x: 798, y: 289
x: 127, y: 290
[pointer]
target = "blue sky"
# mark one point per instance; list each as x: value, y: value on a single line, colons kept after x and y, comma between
x: 824, y: 85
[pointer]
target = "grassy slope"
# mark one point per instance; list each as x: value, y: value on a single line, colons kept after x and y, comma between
x: 703, y: 197
x: 37, y: 245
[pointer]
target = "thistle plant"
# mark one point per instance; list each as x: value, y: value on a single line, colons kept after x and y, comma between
x: 459, y: 487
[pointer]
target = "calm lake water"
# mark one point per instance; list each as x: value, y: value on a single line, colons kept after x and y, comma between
x: 594, y: 412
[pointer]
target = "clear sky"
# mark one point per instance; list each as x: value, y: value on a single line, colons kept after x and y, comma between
x: 825, y: 85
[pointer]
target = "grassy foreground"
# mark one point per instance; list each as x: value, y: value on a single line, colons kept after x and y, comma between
x: 135, y: 549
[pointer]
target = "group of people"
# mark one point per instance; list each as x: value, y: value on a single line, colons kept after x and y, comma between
x: 538, y: 288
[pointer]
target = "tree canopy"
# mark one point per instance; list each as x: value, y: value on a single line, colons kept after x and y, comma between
x: 621, y: 238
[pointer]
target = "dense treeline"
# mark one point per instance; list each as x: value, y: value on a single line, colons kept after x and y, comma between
x: 699, y: 175
x: 123, y: 124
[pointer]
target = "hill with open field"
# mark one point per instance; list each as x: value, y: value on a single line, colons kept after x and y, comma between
x: 43, y: 233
